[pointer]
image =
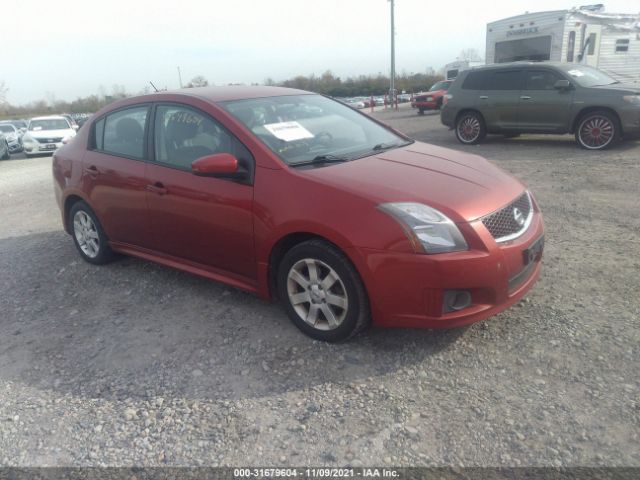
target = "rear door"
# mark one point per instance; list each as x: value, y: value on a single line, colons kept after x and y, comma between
x: 499, y: 97
x: 114, y: 174
x: 543, y: 108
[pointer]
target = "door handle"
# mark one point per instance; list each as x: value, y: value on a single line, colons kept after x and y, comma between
x: 525, y: 97
x: 92, y: 171
x: 157, y: 188
x: 483, y: 97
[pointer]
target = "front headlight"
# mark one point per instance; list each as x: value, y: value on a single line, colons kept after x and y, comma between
x: 429, y: 230
x: 429, y: 99
x: 633, y: 99
x: 28, y: 139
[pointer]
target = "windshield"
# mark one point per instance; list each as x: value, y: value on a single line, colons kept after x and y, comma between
x: 440, y: 86
x: 7, y: 129
x: 304, y: 128
x: 49, y: 124
x: 589, y: 77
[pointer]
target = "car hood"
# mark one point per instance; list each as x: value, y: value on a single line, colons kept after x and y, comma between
x: 67, y: 132
x: 619, y: 87
x: 462, y: 186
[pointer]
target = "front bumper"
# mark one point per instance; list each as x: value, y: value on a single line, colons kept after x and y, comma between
x: 432, y: 105
x: 407, y: 290
x: 36, y: 148
x: 630, y: 121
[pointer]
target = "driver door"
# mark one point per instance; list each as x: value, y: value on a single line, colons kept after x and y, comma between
x: 205, y: 220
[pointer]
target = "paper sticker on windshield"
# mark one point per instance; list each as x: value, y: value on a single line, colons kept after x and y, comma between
x: 576, y: 73
x: 288, y: 131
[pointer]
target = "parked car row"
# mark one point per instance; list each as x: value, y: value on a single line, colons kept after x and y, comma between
x: 35, y: 136
x: 542, y: 97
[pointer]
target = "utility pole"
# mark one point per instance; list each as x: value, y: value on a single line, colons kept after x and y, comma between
x: 392, y: 89
x: 180, y: 77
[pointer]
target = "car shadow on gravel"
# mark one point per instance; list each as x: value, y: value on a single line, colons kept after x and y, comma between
x: 133, y: 329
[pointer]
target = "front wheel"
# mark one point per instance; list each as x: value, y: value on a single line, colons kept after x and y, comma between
x: 597, y: 130
x: 322, y: 292
x: 88, y: 235
x: 470, y: 128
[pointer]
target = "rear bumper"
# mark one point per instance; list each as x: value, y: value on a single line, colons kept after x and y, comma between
x: 407, y: 290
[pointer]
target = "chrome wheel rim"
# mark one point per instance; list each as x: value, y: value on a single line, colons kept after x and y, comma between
x: 317, y: 294
x: 86, y: 234
x: 469, y: 129
x: 596, y: 132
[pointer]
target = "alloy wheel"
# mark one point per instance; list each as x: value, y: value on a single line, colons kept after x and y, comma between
x: 469, y: 129
x: 317, y: 294
x: 596, y: 132
x: 86, y: 234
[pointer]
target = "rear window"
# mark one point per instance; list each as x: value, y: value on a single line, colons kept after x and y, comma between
x: 475, y: 80
x: 493, y: 80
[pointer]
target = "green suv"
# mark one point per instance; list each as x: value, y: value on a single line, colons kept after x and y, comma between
x: 542, y: 97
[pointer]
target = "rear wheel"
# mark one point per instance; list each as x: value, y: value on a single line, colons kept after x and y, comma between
x: 470, y: 128
x: 322, y: 292
x: 597, y: 130
x: 88, y: 235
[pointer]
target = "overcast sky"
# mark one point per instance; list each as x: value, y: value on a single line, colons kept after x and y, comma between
x: 70, y: 49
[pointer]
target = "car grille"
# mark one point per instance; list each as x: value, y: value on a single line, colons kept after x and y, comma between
x: 503, y: 225
x: 49, y: 140
x: 421, y: 98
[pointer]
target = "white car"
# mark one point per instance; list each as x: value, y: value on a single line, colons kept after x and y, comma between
x: 46, y: 134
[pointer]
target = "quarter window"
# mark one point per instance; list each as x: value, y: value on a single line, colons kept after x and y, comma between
x: 540, y: 80
x: 622, y: 45
x: 124, y: 132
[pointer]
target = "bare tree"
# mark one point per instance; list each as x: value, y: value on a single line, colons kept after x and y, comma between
x: 197, y: 81
x: 470, y: 54
x: 3, y: 92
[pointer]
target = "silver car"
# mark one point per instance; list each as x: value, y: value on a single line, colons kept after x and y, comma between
x: 13, y: 137
x: 4, y: 148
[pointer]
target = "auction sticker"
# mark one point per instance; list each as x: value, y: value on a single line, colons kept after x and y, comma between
x: 288, y: 131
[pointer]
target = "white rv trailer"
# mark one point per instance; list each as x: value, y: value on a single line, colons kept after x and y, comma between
x: 588, y: 35
x: 451, y: 70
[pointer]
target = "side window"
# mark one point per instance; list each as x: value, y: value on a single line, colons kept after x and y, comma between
x: 124, y: 132
x: 622, y: 45
x: 98, y: 135
x: 592, y: 44
x: 504, y: 80
x: 475, y: 81
x: 571, y: 45
x: 540, y: 80
x: 182, y: 135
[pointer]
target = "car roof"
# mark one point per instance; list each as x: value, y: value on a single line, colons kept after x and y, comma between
x: 236, y: 92
x: 524, y: 63
x: 49, y: 117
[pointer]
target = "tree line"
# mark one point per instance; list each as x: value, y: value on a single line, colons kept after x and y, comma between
x: 327, y: 84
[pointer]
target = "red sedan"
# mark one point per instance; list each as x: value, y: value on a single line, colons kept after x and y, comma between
x: 295, y: 196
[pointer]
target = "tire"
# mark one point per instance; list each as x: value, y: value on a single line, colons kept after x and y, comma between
x: 439, y: 104
x: 88, y: 235
x: 470, y: 128
x: 337, y: 290
x: 420, y: 111
x: 597, y: 130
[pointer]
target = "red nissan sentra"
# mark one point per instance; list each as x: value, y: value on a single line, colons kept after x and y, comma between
x: 295, y: 196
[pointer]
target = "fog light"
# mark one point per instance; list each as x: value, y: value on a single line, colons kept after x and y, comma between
x: 455, y: 300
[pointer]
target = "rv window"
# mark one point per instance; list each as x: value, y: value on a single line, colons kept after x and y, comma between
x: 592, y: 44
x: 622, y: 45
x: 571, y: 46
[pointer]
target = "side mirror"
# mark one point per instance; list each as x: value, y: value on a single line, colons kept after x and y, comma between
x: 216, y: 165
x: 562, y: 85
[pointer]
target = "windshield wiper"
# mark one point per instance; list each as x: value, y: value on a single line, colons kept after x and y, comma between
x: 321, y: 159
x: 386, y: 146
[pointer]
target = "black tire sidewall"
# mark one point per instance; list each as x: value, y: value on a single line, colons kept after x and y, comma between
x: 357, y: 317
x: 104, y: 253
x: 598, y: 113
x: 482, y: 132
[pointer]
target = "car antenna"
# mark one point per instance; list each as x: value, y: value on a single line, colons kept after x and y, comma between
x: 154, y: 87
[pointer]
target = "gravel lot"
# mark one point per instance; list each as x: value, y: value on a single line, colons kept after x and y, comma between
x: 136, y: 364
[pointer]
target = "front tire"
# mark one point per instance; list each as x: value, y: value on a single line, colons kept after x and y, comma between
x: 470, y: 128
x: 88, y: 235
x: 597, y: 130
x: 420, y: 111
x: 322, y: 292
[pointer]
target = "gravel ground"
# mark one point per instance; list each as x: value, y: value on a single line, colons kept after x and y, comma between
x: 136, y: 364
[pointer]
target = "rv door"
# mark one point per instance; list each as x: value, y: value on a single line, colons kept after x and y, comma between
x: 591, y: 45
